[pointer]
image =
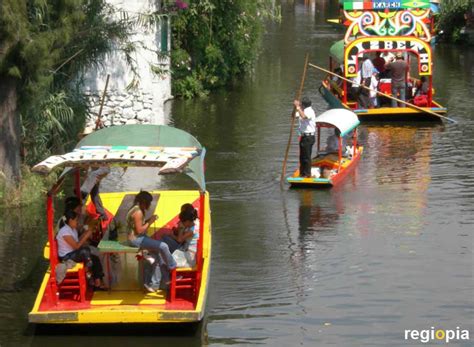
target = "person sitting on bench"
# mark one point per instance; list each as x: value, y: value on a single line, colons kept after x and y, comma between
x: 70, y: 246
x: 137, y: 230
x: 332, y: 142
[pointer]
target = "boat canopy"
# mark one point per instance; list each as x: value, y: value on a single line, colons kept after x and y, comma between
x: 340, y: 118
x: 172, y: 150
x: 337, y: 50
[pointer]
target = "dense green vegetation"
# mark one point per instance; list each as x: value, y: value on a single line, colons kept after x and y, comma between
x: 451, y: 18
x: 47, y: 44
x: 214, y: 41
x: 31, y: 189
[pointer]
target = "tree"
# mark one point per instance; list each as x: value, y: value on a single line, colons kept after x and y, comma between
x: 45, y: 46
x: 214, y: 41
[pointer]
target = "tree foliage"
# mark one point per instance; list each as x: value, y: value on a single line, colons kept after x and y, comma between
x: 214, y: 41
x: 46, y: 45
x: 451, y: 18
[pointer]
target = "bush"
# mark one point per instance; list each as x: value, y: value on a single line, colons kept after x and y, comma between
x: 451, y: 18
x: 215, y: 41
x: 31, y: 189
x: 47, y: 45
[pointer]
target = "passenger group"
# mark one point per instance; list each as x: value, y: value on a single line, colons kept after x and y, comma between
x: 76, y: 228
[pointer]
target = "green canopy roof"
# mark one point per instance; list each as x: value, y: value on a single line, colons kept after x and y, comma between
x: 140, y: 135
x: 150, y: 136
x: 136, y: 145
x: 337, y: 50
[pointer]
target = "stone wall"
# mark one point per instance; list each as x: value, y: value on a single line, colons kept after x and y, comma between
x: 145, y: 102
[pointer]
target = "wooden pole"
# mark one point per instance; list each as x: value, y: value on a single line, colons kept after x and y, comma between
x: 98, y: 122
x: 383, y: 94
x: 293, y: 117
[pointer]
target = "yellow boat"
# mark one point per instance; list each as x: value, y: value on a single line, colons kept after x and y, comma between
x: 168, y: 150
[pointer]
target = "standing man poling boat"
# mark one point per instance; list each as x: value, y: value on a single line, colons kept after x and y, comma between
x: 307, y: 128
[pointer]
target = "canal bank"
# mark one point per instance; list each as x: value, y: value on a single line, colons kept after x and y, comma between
x: 388, y: 251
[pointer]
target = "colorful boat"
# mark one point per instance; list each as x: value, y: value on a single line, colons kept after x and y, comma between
x: 385, y: 27
x: 168, y: 150
x: 329, y: 169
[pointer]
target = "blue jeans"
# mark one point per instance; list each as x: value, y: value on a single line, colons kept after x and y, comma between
x: 91, y: 261
x: 398, y: 88
x: 156, y: 275
x: 155, y: 246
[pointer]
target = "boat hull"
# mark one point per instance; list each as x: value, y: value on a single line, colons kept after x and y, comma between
x: 347, y: 167
x: 384, y: 113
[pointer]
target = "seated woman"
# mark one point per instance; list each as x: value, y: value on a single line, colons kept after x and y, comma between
x: 422, y: 86
x: 137, y: 228
x: 71, y: 246
x: 71, y: 203
x: 332, y: 142
x: 183, y: 233
x: 182, y: 238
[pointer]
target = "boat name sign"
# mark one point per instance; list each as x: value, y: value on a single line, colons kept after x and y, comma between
x: 358, y: 47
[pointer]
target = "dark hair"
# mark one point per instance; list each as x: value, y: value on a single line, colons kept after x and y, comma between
x: 190, y: 208
x: 306, y: 102
x: 187, y: 215
x: 70, y: 214
x: 71, y: 203
x: 143, y: 197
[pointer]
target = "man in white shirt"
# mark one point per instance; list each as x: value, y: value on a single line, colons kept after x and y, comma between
x: 307, y: 128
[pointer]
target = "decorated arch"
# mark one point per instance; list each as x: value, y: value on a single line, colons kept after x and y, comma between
x: 398, y: 43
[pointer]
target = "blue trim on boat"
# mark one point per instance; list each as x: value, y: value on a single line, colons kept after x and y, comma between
x: 315, y: 180
x: 349, y: 130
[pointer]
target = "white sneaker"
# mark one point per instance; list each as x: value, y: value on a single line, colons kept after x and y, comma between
x: 150, y: 259
x: 149, y: 289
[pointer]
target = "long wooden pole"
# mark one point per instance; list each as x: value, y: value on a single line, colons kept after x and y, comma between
x: 293, y: 117
x: 386, y: 95
x: 98, y: 122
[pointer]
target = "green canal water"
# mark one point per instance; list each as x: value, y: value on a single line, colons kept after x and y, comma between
x: 390, y: 249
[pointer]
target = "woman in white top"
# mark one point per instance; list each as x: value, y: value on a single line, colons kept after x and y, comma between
x: 71, y: 246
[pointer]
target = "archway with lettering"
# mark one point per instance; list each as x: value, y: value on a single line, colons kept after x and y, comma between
x: 398, y: 43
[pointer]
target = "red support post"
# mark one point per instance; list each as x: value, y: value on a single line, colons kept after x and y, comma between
x: 200, y: 251
x: 52, y: 248
x: 344, y: 86
x: 340, y: 153
x: 319, y: 138
x: 173, y: 285
x: 202, y: 203
x: 354, y: 143
x: 430, y: 91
